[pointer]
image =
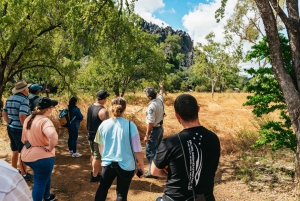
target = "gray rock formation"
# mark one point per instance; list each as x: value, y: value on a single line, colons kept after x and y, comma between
x: 186, y: 41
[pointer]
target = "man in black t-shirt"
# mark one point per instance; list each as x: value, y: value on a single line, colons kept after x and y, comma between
x: 190, y: 158
x: 96, y: 114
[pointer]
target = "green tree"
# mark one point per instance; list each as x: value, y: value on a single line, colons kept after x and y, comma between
x: 171, y: 47
x: 270, y: 12
x: 44, y: 34
x: 214, y: 61
x: 124, y: 54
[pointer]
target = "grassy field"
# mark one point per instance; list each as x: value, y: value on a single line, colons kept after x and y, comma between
x: 244, y: 173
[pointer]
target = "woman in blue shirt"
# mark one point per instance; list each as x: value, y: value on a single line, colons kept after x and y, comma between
x: 75, y: 117
x: 119, y: 144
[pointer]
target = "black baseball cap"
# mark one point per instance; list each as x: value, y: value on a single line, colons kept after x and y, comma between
x: 102, y: 94
x: 46, y: 103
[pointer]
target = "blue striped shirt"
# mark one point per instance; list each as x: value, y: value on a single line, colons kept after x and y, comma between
x: 15, y: 105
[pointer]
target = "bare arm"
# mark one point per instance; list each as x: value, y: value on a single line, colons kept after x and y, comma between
x: 51, y: 133
x: 22, y: 118
x: 161, y: 85
x: 158, y: 172
x: 103, y: 114
x: 140, y: 158
x: 149, y: 129
x: 5, y: 116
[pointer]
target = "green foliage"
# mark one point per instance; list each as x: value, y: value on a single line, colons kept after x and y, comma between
x: 269, y: 98
x: 215, y: 62
x: 123, y: 55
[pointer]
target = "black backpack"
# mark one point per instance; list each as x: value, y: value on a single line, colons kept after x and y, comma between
x: 31, y: 102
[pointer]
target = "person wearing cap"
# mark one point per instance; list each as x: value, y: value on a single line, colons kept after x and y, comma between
x: 96, y: 114
x: 154, y: 120
x: 34, y: 97
x: 40, y: 137
x: 76, y: 117
x: 15, y: 111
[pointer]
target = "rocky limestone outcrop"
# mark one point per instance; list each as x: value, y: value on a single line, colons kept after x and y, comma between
x: 186, y: 41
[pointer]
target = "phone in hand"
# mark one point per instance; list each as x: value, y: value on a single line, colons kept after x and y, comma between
x: 139, y: 173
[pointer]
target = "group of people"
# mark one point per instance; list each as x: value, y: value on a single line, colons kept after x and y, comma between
x: 188, y: 159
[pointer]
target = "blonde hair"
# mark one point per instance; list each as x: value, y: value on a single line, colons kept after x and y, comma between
x: 36, y: 111
x: 118, y: 106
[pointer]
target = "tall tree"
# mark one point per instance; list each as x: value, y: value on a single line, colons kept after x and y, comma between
x: 269, y: 11
x: 214, y: 60
x: 123, y: 54
x: 44, y: 34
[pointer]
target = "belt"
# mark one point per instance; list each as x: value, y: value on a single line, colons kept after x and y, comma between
x: 158, y: 126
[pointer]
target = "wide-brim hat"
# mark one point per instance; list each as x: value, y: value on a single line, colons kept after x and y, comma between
x: 20, y: 86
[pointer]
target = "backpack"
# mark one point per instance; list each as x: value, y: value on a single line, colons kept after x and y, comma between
x: 31, y: 102
x: 64, y: 117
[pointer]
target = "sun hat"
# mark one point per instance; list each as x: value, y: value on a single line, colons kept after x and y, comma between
x: 102, y: 94
x: 20, y: 86
x: 46, y: 103
x: 35, y: 87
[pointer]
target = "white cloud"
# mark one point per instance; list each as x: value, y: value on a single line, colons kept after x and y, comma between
x: 201, y: 21
x: 146, y: 8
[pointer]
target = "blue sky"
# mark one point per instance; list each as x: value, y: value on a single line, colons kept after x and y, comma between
x: 196, y: 17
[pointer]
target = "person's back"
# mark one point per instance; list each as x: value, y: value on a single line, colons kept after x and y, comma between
x: 12, y: 184
x: 190, y: 158
x: 96, y: 114
x: 34, y: 97
x: 202, y: 152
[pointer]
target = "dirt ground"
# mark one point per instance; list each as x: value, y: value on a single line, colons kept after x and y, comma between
x: 70, y: 178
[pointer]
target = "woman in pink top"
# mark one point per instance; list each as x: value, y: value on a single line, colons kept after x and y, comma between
x: 40, y: 137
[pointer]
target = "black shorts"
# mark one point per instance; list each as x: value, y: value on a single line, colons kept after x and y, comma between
x: 15, y: 136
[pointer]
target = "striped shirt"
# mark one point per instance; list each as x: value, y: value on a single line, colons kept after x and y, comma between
x: 15, y: 105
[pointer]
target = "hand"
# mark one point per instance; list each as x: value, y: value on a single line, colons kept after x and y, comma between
x: 161, y: 85
x: 146, y: 138
x: 47, y: 148
x: 141, y: 169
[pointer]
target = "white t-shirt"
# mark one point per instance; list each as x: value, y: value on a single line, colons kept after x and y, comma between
x: 12, y: 184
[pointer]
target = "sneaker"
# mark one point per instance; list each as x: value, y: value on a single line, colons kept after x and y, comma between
x: 148, y: 175
x: 95, y: 179
x: 51, y: 198
x: 76, y: 155
x: 28, y: 177
x: 70, y: 152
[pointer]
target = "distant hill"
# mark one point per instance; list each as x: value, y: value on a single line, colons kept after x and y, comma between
x: 186, y: 42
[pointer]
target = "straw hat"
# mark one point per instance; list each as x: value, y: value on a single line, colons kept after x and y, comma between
x: 20, y: 86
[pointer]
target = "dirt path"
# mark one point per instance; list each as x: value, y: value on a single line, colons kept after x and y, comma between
x: 70, y: 179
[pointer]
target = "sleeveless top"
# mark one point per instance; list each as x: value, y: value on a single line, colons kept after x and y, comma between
x: 93, y: 120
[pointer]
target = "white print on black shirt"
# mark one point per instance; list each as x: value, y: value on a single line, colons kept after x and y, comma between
x: 195, y: 156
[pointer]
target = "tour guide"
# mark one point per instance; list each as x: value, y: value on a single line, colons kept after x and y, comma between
x: 154, y: 120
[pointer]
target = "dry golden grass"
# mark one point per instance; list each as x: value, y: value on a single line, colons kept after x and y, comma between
x: 223, y: 114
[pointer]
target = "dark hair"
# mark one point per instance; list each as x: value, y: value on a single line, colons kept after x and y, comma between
x: 118, y: 106
x: 72, y: 102
x: 187, y: 107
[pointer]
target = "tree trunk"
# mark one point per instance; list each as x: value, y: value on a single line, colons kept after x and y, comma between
x: 289, y: 89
